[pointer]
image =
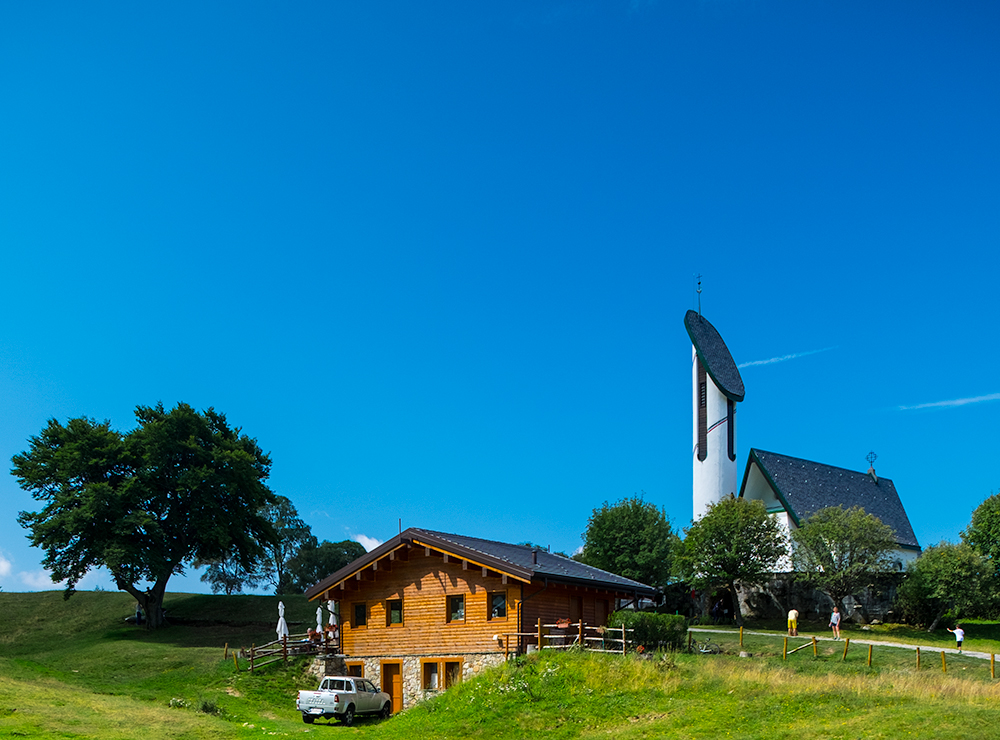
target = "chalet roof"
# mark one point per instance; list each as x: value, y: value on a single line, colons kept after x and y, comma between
x: 522, y: 562
x: 714, y: 355
x: 804, y: 487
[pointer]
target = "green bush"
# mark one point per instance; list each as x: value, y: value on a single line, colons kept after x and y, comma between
x: 651, y: 630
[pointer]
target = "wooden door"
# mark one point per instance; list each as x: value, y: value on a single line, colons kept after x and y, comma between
x: 392, y: 684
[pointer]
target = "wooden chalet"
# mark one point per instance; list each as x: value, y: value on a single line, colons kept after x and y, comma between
x: 424, y: 609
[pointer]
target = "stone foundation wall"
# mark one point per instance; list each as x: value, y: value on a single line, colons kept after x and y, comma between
x: 472, y: 665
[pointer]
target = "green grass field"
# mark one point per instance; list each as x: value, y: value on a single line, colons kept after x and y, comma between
x: 75, y: 669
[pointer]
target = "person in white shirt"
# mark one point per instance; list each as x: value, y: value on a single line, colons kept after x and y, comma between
x: 835, y: 623
x: 959, y: 635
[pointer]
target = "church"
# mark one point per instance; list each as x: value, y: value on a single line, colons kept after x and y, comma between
x: 792, y: 489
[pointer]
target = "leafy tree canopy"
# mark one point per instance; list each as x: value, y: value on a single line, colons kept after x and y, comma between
x: 633, y: 539
x: 983, y: 533
x: 315, y: 562
x: 735, y: 542
x: 843, y: 551
x: 181, y: 487
x: 945, y: 578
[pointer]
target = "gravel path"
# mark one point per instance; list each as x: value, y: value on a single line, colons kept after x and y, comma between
x: 854, y: 641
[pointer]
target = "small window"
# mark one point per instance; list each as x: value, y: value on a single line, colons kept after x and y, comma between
x: 355, y: 669
x: 456, y: 608
x: 360, y: 615
x: 429, y: 680
x: 394, y: 612
x: 498, y: 605
x: 452, y: 673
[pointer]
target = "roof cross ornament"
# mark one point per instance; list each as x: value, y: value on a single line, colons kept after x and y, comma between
x: 871, y: 457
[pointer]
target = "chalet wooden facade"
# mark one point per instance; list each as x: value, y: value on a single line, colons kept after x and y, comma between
x: 426, y: 608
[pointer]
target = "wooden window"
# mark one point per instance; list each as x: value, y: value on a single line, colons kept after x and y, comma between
x: 429, y: 676
x: 356, y: 668
x: 497, y: 603
x: 452, y: 673
x: 456, y: 608
x: 360, y: 615
x: 440, y: 673
x: 394, y: 612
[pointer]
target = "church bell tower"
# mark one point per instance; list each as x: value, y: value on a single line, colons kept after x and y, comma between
x: 717, y: 387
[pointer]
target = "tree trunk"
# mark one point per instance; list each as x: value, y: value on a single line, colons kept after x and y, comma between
x: 151, y: 600
x: 737, y: 612
x: 937, y: 619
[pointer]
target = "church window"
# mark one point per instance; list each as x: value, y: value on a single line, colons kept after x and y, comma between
x: 702, y: 412
x: 731, y: 427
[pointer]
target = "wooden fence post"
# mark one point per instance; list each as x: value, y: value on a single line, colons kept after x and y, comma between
x: 944, y: 666
x: 993, y: 669
x: 235, y: 662
x: 847, y: 643
x: 870, y: 648
x: 918, y: 658
x: 741, y: 635
x: 284, y: 648
x: 539, y: 634
x: 784, y: 652
x: 581, y: 643
x: 253, y: 649
x: 815, y: 653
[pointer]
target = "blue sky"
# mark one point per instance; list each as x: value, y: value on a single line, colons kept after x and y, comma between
x: 436, y: 256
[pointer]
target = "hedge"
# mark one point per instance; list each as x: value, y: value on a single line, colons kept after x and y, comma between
x: 652, y: 630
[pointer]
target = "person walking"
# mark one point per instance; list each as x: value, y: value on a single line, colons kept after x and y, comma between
x: 793, y: 623
x: 835, y: 623
x: 959, y: 636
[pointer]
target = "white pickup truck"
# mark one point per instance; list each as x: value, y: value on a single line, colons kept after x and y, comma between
x: 343, y: 697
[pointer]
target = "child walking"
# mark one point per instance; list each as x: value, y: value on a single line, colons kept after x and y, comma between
x: 959, y: 635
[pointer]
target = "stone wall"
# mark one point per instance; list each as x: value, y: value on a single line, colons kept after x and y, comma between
x: 472, y: 665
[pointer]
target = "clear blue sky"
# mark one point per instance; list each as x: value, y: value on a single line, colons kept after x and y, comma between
x: 435, y: 256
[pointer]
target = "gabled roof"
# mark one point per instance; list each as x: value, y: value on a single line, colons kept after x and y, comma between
x: 714, y: 355
x: 804, y: 487
x: 520, y: 562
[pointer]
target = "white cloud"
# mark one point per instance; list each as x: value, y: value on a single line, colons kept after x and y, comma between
x: 369, y: 543
x: 784, y: 357
x: 5, y: 566
x: 40, y: 580
x: 955, y: 402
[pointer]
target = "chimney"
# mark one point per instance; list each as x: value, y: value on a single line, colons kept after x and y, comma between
x: 534, y: 556
x: 871, y: 472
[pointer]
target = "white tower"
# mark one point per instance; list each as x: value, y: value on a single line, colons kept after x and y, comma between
x: 717, y: 388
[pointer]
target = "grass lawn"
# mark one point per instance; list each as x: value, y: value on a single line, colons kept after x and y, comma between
x: 75, y: 669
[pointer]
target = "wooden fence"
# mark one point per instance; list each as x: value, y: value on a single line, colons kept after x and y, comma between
x: 566, y: 634
x: 291, y: 646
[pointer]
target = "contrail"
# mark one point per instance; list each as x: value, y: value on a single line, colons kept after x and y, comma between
x: 784, y: 357
x: 955, y: 402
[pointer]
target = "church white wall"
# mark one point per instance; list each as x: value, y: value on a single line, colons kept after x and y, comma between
x: 715, y: 476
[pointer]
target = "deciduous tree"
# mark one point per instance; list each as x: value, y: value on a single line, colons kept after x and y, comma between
x: 843, y: 551
x: 315, y: 562
x: 735, y: 542
x: 947, y: 577
x: 983, y: 533
x: 632, y: 538
x: 181, y: 487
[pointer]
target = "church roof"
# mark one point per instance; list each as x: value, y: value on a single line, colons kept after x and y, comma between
x: 714, y: 355
x: 804, y: 487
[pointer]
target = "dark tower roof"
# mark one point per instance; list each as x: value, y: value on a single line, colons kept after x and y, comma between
x: 714, y: 355
x: 804, y: 487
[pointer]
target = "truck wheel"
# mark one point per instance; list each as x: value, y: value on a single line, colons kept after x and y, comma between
x: 348, y: 717
x: 308, y: 718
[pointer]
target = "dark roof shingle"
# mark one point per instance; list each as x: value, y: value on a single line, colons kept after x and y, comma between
x: 806, y: 487
x: 714, y: 355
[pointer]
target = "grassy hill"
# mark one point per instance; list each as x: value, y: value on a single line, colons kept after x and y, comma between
x: 76, y: 669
